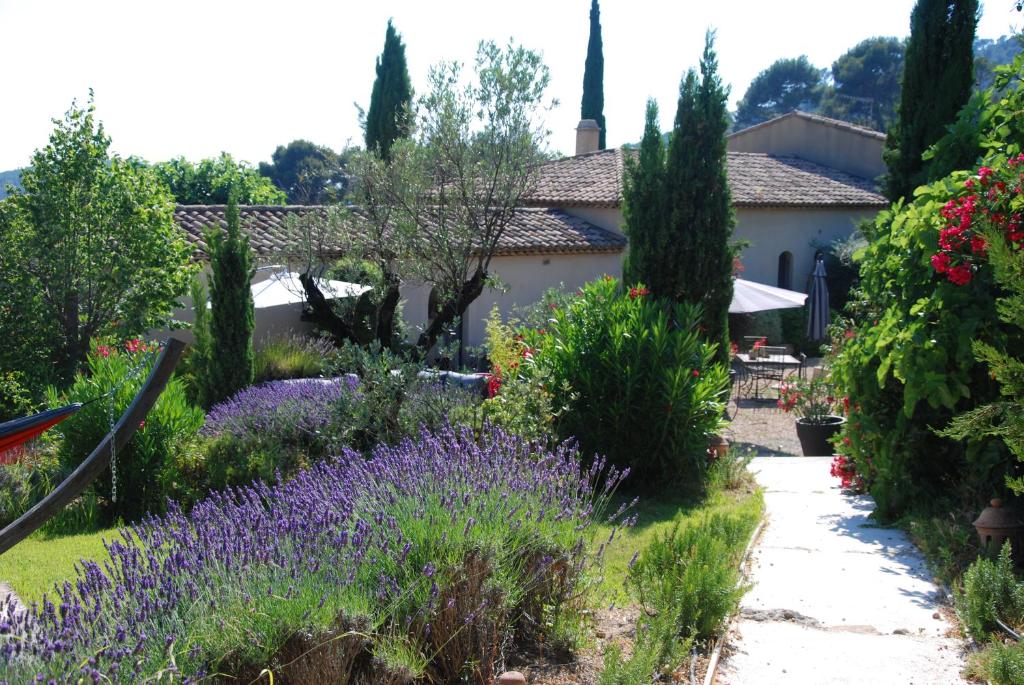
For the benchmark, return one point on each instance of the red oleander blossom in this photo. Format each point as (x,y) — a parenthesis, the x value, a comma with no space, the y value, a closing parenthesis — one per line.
(636,292)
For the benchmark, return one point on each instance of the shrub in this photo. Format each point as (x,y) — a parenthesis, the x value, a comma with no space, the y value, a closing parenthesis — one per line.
(291,357)
(134,484)
(28,480)
(281,426)
(15,399)
(424,561)
(990,592)
(925,297)
(632,378)
(687,582)
(999,664)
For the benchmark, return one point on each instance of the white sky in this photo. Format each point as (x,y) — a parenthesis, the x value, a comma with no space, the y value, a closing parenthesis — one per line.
(194,77)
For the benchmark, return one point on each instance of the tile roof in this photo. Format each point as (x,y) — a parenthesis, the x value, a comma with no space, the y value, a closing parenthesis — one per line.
(761,180)
(755,179)
(532,230)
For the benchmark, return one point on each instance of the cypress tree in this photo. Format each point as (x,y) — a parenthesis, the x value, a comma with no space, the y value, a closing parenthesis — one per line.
(938,75)
(391,97)
(232,316)
(592,106)
(698,202)
(642,209)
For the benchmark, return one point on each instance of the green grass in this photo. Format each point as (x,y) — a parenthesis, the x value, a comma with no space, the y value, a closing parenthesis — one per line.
(657,515)
(33,565)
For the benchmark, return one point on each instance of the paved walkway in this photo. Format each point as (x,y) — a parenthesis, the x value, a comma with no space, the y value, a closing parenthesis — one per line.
(835,599)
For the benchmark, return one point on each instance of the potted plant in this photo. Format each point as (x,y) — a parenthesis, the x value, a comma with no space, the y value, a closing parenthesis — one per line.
(814,405)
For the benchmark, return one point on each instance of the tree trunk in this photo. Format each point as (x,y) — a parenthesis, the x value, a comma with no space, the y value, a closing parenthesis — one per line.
(452,308)
(386,313)
(323,313)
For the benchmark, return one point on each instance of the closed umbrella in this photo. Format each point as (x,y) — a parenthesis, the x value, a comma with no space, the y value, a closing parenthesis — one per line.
(817,304)
(748,297)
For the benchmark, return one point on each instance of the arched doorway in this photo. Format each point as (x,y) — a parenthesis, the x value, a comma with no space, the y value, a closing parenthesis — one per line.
(785,278)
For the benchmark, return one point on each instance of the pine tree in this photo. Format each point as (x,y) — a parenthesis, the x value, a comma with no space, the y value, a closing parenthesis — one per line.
(938,74)
(642,209)
(698,203)
(232,316)
(391,97)
(592,106)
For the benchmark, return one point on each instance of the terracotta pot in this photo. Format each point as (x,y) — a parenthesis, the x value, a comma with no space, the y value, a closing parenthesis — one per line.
(814,437)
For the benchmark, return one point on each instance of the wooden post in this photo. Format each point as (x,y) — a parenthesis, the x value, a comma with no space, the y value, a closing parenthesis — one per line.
(98,460)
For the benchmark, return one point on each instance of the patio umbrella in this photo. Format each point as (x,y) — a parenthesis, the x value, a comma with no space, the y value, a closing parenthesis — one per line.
(284,288)
(817,304)
(748,296)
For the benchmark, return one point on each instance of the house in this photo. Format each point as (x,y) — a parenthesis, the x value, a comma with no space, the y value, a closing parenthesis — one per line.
(799,182)
(541,248)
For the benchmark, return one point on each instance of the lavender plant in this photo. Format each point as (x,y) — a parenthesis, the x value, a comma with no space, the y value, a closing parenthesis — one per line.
(424,561)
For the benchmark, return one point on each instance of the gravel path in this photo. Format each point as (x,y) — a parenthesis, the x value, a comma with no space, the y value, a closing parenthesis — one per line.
(835,600)
(759,425)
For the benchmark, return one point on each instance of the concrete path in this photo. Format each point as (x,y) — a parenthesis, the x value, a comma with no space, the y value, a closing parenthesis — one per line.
(835,599)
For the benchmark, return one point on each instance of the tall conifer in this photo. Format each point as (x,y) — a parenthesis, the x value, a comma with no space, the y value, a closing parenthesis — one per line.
(698,203)
(642,210)
(232,316)
(391,97)
(938,75)
(592,106)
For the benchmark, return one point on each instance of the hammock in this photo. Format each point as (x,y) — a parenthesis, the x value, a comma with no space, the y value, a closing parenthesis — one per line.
(15,433)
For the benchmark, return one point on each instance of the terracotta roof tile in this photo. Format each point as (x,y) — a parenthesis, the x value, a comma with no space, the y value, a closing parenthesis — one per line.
(755,179)
(531,231)
(758,179)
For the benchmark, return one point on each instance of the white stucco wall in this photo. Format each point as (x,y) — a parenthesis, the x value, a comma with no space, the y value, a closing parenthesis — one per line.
(270,323)
(815,141)
(772,231)
(526,278)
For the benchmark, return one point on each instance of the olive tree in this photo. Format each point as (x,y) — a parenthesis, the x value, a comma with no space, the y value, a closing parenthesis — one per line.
(436,211)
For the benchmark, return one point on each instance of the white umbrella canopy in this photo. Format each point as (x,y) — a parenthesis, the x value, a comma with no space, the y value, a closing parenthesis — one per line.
(748,296)
(284,288)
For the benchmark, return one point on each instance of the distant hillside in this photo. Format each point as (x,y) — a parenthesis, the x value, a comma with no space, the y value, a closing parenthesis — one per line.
(12,177)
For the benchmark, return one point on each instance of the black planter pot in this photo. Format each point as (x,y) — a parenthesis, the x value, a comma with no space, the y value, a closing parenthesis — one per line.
(814,437)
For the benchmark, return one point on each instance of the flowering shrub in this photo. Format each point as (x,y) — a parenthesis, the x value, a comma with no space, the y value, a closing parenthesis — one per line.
(631,378)
(991,204)
(845,470)
(142,475)
(812,400)
(279,426)
(422,562)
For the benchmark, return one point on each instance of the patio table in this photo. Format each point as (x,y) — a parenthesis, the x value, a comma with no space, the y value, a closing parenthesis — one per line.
(769,368)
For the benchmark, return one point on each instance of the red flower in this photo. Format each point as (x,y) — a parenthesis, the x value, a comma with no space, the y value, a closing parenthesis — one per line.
(103,351)
(960,274)
(635,292)
(133,345)
(940,262)
(984,174)
(695,373)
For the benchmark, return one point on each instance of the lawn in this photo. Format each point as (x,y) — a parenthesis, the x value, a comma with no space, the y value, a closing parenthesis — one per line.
(657,515)
(36,563)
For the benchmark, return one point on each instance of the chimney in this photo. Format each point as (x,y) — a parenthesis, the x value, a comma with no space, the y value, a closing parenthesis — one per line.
(588,136)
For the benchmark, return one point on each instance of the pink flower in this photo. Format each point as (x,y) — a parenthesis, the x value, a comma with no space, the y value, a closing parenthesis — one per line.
(103,351)
(960,274)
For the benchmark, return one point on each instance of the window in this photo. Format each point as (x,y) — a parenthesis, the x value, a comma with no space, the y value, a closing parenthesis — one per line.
(786,270)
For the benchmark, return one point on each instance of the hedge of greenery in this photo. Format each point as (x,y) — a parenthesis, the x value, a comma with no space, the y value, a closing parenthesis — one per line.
(907,360)
(630,377)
